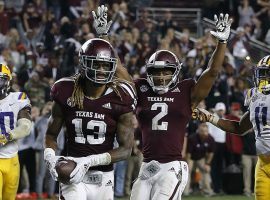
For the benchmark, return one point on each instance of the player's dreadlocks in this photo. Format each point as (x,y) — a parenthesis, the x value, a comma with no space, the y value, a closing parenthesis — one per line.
(77,97)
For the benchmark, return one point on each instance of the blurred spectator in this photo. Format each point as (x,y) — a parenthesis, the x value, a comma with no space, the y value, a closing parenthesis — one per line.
(53,37)
(41,55)
(200,150)
(53,70)
(218,93)
(55,7)
(200,57)
(27,157)
(144,48)
(239,47)
(245,70)
(234,144)
(167,22)
(127,46)
(185,44)
(264,16)
(36,90)
(153,33)
(238,92)
(220,141)
(245,12)
(142,21)
(30,37)
(32,16)
(42,173)
(4,19)
(249,160)
(17,5)
(208,39)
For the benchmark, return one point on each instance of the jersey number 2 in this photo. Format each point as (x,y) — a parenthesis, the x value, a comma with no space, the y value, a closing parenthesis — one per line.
(97,138)
(156,125)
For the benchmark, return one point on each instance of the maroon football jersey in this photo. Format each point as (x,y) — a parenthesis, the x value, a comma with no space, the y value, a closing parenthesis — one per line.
(163,120)
(93,129)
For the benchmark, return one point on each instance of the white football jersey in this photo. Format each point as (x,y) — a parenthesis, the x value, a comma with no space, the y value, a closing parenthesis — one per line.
(9,109)
(259,108)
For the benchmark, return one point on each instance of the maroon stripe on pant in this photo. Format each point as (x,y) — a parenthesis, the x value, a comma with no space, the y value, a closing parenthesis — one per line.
(175,190)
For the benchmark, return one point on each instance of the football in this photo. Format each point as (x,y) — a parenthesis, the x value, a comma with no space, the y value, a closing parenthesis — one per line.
(64,168)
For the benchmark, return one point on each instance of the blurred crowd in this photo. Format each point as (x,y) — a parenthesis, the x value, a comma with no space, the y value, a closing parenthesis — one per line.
(40,40)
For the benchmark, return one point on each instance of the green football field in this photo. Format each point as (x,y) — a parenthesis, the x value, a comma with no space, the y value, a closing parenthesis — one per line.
(225,197)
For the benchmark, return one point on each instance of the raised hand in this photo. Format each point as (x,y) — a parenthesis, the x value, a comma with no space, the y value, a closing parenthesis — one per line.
(101,24)
(223,27)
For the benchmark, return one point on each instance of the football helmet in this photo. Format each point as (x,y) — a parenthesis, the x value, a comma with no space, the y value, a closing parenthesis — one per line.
(262,75)
(5,78)
(97,61)
(163,59)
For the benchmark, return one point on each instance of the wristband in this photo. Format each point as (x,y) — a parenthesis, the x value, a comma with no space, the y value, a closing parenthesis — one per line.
(102,34)
(214,119)
(100,159)
(222,41)
(48,152)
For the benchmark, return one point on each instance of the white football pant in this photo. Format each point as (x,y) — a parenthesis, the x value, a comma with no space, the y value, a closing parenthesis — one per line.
(167,184)
(83,191)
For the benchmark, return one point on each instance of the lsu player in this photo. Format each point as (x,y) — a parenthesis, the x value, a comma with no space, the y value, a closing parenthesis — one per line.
(258,118)
(15,123)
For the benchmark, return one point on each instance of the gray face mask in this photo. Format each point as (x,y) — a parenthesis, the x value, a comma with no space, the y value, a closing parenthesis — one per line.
(4,86)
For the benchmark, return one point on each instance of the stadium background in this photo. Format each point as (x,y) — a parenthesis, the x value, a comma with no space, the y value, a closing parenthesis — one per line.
(40,39)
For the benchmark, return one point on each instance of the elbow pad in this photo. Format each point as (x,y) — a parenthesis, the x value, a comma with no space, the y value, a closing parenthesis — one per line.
(23,129)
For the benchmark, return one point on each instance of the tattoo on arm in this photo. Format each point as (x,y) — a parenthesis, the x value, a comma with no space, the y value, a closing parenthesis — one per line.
(125,137)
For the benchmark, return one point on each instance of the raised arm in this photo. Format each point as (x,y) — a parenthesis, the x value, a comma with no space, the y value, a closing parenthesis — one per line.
(102,27)
(230,126)
(202,88)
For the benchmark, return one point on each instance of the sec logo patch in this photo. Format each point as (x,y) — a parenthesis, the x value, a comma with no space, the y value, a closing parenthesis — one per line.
(144,88)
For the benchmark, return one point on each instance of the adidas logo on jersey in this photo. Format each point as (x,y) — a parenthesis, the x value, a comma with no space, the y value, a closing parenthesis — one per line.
(107,105)
(109,183)
(176,90)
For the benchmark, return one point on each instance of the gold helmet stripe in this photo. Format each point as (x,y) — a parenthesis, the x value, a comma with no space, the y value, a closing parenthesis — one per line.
(4,70)
(264,61)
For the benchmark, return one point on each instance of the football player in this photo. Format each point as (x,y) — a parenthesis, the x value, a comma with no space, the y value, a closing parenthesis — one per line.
(258,118)
(15,123)
(164,108)
(95,108)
